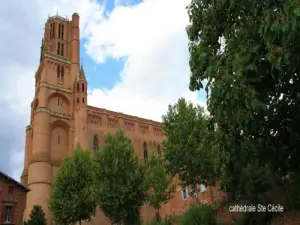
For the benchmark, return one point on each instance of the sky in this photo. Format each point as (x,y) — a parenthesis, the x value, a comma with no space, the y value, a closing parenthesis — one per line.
(134,52)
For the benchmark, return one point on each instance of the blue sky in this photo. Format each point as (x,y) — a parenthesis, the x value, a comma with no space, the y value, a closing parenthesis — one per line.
(135,55)
(104,75)
(111,69)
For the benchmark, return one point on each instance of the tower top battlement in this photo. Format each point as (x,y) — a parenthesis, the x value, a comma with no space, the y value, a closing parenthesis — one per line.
(58,17)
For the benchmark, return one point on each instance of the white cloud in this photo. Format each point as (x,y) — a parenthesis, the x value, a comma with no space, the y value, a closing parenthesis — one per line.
(152,37)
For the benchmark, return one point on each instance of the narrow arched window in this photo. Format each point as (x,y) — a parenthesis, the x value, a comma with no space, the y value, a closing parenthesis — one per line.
(82,100)
(58,71)
(77,87)
(77,100)
(145,152)
(62,50)
(58,138)
(82,87)
(158,150)
(58,48)
(59,30)
(62,31)
(51,31)
(95,143)
(62,71)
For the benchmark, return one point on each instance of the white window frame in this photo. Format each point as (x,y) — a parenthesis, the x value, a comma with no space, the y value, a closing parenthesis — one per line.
(201,190)
(8,214)
(182,193)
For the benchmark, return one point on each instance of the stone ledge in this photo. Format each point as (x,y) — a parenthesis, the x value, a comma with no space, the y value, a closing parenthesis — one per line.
(55,87)
(53,113)
(39,157)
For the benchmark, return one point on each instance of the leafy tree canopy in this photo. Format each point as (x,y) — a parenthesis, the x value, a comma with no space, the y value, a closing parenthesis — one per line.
(248,52)
(190,149)
(73,197)
(37,216)
(158,184)
(119,180)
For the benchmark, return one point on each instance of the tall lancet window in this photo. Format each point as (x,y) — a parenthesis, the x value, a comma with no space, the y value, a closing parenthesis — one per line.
(58,72)
(52,30)
(62,49)
(95,143)
(62,72)
(62,31)
(59,31)
(145,152)
(58,48)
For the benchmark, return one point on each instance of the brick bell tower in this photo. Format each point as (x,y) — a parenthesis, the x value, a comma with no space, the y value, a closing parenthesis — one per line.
(58,110)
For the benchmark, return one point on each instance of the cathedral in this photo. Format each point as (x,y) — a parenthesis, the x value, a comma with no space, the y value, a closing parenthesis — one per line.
(61,118)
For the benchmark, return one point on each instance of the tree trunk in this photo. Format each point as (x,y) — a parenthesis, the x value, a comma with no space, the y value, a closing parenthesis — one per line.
(196,192)
(211,194)
(79,222)
(157,216)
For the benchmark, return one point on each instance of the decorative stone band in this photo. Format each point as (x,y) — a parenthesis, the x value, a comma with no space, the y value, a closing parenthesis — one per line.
(40,157)
(52,86)
(28,127)
(53,113)
(57,58)
(39,182)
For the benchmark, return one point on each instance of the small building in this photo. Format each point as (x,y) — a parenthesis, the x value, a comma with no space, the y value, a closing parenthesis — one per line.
(12,200)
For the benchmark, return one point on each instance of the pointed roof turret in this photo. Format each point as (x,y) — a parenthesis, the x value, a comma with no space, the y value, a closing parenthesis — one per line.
(82,73)
(80,76)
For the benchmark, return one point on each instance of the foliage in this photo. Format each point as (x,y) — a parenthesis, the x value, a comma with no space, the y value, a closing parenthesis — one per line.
(294,192)
(157,183)
(198,214)
(190,149)
(162,222)
(119,180)
(37,216)
(73,197)
(248,53)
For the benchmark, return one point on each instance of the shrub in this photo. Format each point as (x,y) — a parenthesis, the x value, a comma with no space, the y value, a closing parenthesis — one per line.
(37,216)
(162,222)
(198,214)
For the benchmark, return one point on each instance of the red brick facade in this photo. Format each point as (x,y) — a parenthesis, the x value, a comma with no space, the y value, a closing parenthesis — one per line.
(12,200)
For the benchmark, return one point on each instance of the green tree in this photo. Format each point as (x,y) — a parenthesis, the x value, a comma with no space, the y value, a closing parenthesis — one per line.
(73,199)
(190,149)
(119,180)
(37,216)
(157,183)
(248,52)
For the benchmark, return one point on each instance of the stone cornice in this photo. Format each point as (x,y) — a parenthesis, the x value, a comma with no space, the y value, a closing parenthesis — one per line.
(53,113)
(55,87)
(57,58)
